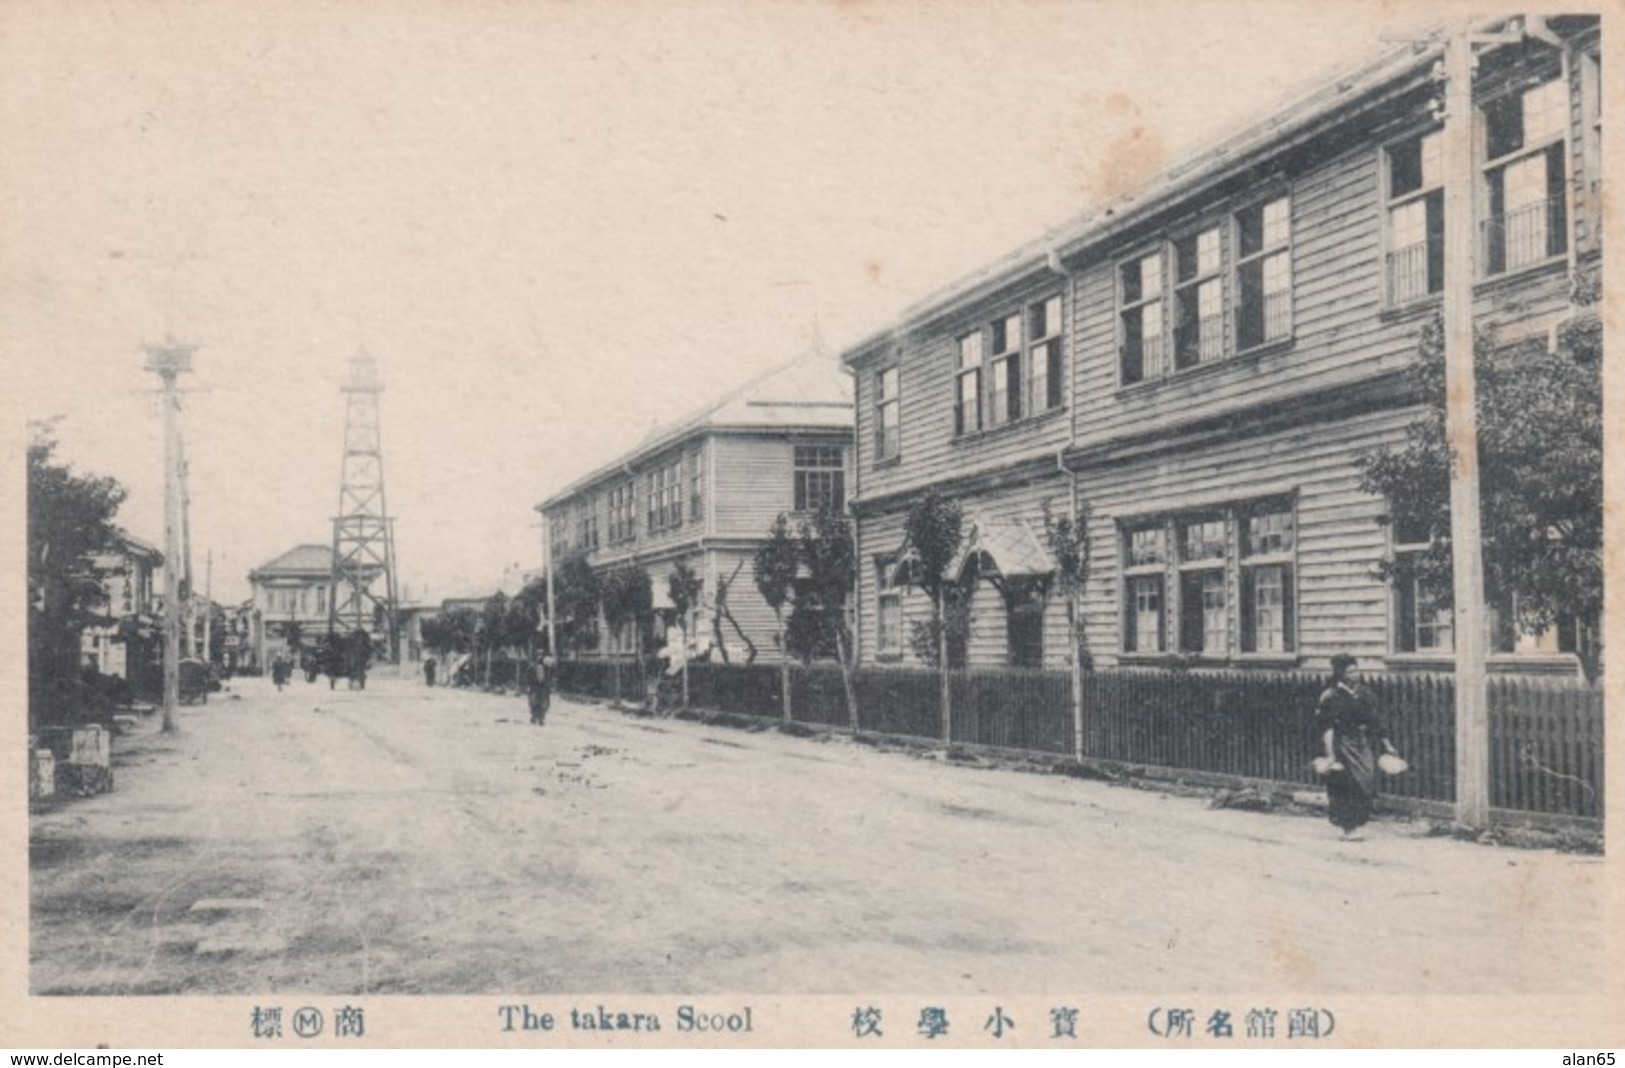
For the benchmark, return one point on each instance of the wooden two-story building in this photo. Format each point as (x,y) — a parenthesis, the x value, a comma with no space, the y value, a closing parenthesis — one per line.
(706,490)
(1201,362)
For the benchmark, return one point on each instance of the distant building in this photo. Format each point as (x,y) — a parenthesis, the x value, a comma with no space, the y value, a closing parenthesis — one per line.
(127,644)
(290,597)
(706,490)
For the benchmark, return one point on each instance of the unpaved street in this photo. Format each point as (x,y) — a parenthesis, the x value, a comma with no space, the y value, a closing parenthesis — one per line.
(407,840)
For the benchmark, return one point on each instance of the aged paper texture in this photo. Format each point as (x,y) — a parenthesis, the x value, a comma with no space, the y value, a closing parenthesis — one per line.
(555,232)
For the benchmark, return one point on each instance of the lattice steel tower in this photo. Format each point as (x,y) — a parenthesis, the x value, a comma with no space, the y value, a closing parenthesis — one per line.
(363,531)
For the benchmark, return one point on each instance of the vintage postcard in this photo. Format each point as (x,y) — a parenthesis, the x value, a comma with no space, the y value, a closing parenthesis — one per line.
(861,524)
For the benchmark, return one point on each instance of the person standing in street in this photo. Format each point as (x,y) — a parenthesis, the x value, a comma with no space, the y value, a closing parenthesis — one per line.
(1352,737)
(538,688)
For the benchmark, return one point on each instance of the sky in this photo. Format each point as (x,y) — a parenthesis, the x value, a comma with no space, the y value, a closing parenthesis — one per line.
(554,225)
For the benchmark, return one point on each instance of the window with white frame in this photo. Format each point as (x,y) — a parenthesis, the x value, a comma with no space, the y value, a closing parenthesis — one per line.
(1212,583)
(888,609)
(1415,185)
(1268,543)
(665,496)
(1525,176)
(1142,318)
(1144,585)
(820,478)
(968,385)
(1263,273)
(1199,298)
(696,483)
(622,513)
(1045,370)
(887,436)
(1004,381)
(1423,620)
(1204,625)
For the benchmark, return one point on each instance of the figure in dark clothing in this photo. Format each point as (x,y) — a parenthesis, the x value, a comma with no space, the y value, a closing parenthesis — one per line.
(281,668)
(538,688)
(428,671)
(1352,736)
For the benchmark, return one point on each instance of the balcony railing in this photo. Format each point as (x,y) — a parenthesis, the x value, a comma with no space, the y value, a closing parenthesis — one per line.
(1526,235)
(1408,273)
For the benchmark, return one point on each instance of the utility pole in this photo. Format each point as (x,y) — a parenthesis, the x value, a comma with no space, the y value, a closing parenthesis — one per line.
(1461,424)
(208,606)
(188,586)
(547,565)
(170,360)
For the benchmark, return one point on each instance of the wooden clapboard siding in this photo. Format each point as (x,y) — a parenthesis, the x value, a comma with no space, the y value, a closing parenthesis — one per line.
(1341,604)
(754,484)
(988,644)
(927,363)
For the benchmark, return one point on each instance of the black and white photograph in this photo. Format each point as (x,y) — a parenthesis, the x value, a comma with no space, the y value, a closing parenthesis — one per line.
(807,523)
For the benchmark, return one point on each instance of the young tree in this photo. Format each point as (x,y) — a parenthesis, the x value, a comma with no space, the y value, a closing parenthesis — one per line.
(776,563)
(629,601)
(492,629)
(934,530)
(577,592)
(1541,491)
(70,518)
(830,557)
(722,614)
(683,586)
(1068,541)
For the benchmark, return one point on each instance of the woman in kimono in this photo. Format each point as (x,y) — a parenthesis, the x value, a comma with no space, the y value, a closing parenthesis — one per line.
(1352,737)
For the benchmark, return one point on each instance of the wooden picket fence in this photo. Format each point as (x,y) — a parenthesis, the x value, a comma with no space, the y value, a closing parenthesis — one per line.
(1546,736)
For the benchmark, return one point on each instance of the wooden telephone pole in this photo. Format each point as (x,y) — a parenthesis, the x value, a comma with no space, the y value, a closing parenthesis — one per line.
(1461,422)
(169,360)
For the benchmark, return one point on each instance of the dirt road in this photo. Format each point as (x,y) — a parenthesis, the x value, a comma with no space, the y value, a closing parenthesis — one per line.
(408,840)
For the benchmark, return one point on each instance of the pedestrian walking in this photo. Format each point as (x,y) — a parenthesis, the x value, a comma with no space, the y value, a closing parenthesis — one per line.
(538,688)
(281,667)
(428,671)
(1354,743)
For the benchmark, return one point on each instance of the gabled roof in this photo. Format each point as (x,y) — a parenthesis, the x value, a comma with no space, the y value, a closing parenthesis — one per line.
(128,544)
(808,392)
(299,560)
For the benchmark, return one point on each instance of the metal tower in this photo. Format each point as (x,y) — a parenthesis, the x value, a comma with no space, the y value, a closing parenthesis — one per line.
(363,532)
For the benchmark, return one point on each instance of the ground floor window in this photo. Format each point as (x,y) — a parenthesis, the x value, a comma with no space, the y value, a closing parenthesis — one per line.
(1212,583)
(888,610)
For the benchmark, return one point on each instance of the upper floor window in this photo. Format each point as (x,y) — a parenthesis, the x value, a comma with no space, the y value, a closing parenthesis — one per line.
(1045,370)
(622,513)
(1020,353)
(1004,385)
(968,385)
(1415,218)
(1142,318)
(1264,273)
(887,438)
(1215,291)
(1524,177)
(665,496)
(1198,299)
(586,525)
(696,484)
(820,478)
